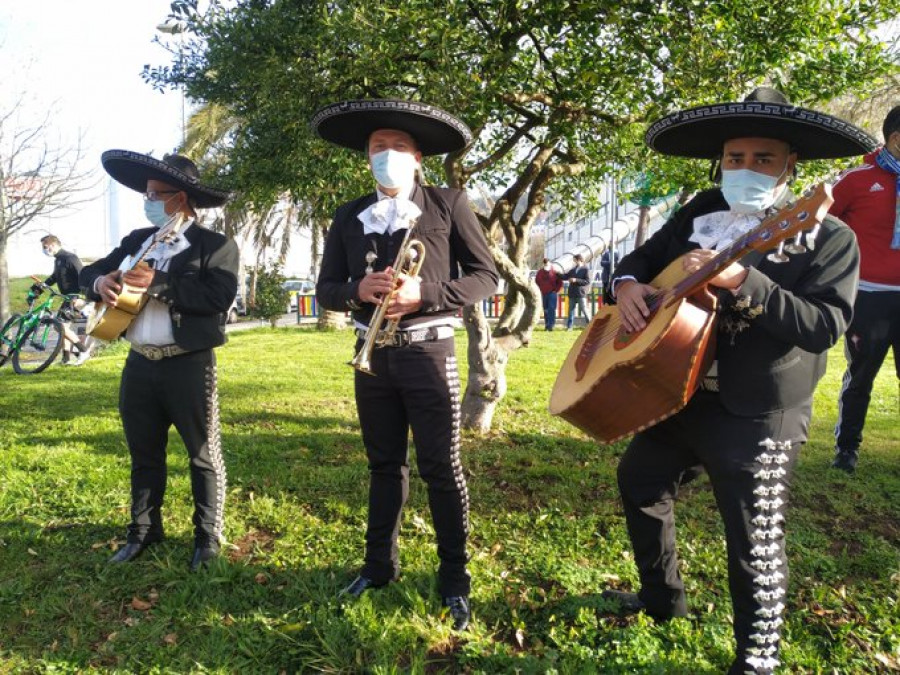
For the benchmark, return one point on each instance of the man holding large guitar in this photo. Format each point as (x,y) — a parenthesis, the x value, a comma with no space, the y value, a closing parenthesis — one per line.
(167,289)
(773,318)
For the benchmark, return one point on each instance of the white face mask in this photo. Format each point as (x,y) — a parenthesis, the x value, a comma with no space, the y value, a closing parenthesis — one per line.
(547,267)
(393,169)
(747,191)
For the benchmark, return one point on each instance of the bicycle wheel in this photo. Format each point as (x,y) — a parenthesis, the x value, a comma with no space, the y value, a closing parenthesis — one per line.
(8,336)
(41,345)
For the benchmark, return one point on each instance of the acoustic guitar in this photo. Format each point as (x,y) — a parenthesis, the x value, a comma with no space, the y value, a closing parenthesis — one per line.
(613,383)
(108,323)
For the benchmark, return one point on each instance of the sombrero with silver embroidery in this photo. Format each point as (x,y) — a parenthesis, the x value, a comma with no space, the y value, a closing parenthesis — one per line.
(133,170)
(350,123)
(766,113)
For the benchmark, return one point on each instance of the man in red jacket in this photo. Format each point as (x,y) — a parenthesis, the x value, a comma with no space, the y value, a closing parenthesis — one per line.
(866,199)
(549,282)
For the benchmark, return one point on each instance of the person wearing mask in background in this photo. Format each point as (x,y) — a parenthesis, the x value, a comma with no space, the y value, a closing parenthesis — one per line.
(866,198)
(579,278)
(66,267)
(413,382)
(777,318)
(170,378)
(549,282)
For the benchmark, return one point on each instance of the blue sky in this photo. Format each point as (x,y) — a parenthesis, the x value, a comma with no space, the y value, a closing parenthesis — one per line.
(81,61)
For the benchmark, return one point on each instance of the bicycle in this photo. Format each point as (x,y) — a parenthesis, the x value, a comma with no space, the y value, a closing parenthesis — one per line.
(34,339)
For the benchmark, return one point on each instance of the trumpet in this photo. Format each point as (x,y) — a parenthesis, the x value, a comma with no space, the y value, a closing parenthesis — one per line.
(381,331)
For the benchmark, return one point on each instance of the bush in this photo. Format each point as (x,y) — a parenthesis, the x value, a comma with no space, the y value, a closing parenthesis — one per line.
(271,298)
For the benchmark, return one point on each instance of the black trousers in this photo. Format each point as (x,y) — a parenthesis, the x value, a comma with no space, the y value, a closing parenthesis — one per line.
(416,388)
(750,463)
(154,395)
(874,330)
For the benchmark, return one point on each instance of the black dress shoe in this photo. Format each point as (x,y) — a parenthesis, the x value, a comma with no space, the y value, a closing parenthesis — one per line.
(459,610)
(359,585)
(629,603)
(845,460)
(130,551)
(202,556)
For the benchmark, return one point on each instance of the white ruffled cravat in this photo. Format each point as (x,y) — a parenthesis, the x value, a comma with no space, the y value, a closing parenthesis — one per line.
(389,215)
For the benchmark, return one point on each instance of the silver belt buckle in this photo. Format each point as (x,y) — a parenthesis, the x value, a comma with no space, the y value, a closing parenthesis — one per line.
(153,352)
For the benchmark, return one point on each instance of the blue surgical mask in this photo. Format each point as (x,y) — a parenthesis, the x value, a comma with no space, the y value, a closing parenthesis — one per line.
(747,191)
(156,213)
(48,252)
(393,169)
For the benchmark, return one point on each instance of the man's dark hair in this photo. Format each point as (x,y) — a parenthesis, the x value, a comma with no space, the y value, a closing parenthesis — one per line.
(578,257)
(48,239)
(891,122)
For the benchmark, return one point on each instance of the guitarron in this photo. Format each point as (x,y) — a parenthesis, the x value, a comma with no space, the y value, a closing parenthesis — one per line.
(108,323)
(613,383)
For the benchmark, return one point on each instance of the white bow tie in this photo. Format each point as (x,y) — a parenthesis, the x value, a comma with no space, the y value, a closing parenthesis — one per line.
(389,215)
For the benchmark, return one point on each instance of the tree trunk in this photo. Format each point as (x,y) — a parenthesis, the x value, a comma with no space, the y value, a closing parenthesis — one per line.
(329,320)
(643,227)
(4,280)
(487,372)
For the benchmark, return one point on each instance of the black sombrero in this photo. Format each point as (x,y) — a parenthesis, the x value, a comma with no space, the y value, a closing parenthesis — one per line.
(766,113)
(133,170)
(350,123)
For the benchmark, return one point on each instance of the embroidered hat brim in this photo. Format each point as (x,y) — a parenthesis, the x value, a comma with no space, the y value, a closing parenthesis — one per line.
(133,170)
(702,131)
(350,123)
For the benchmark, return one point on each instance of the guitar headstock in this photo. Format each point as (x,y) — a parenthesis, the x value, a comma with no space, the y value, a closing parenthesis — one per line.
(804,215)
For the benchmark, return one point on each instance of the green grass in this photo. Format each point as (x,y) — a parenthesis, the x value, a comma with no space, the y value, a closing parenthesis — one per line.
(547,537)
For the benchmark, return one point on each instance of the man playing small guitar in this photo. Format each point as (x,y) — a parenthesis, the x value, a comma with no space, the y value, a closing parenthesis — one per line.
(776,316)
(181,280)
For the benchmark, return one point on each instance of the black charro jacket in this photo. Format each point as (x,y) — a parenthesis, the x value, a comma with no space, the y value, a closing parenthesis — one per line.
(458,268)
(198,287)
(774,334)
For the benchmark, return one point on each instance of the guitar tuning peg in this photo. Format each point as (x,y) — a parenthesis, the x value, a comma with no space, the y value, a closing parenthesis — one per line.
(795,246)
(778,256)
(811,237)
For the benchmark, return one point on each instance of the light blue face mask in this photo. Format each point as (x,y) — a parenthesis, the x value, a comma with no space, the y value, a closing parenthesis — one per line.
(394,169)
(747,191)
(156,213)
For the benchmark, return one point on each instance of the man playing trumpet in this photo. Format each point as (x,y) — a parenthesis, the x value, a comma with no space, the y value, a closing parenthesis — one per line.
(415,384)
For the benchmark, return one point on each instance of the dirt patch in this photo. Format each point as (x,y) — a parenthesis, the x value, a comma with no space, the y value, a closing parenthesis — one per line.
(254,544)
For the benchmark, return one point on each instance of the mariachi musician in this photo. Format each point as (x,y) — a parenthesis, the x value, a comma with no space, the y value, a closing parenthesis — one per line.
(777,319)
(415,384)
(189,281)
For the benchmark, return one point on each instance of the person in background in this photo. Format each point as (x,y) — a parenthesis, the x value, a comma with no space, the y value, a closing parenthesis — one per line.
(777,318)
(866,198)
(413,383)
(170,375)
(579,278)
(66,267)
(608,262)
(549,282)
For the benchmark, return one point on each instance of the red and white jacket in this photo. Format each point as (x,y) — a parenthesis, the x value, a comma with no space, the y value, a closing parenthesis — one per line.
(865,198)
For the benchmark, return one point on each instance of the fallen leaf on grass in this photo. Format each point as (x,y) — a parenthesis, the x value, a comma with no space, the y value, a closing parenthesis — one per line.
(261,579)
(170,639)
(31,551)
(520,638)
(140,605)
(228,619)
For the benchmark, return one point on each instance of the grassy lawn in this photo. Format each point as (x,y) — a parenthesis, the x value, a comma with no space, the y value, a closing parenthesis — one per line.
(548,536)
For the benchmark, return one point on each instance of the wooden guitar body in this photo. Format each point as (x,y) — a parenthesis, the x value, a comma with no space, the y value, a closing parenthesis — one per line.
(108,323)
(613,384)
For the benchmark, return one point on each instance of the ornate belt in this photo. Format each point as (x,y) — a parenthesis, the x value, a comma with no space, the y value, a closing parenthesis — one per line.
(413,335)
(157,352)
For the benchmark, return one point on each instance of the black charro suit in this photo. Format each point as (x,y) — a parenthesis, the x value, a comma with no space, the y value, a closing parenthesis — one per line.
(416,387)
(198,288)
(774,333)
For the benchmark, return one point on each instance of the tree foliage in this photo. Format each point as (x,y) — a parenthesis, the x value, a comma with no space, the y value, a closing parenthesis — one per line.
(557,92)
